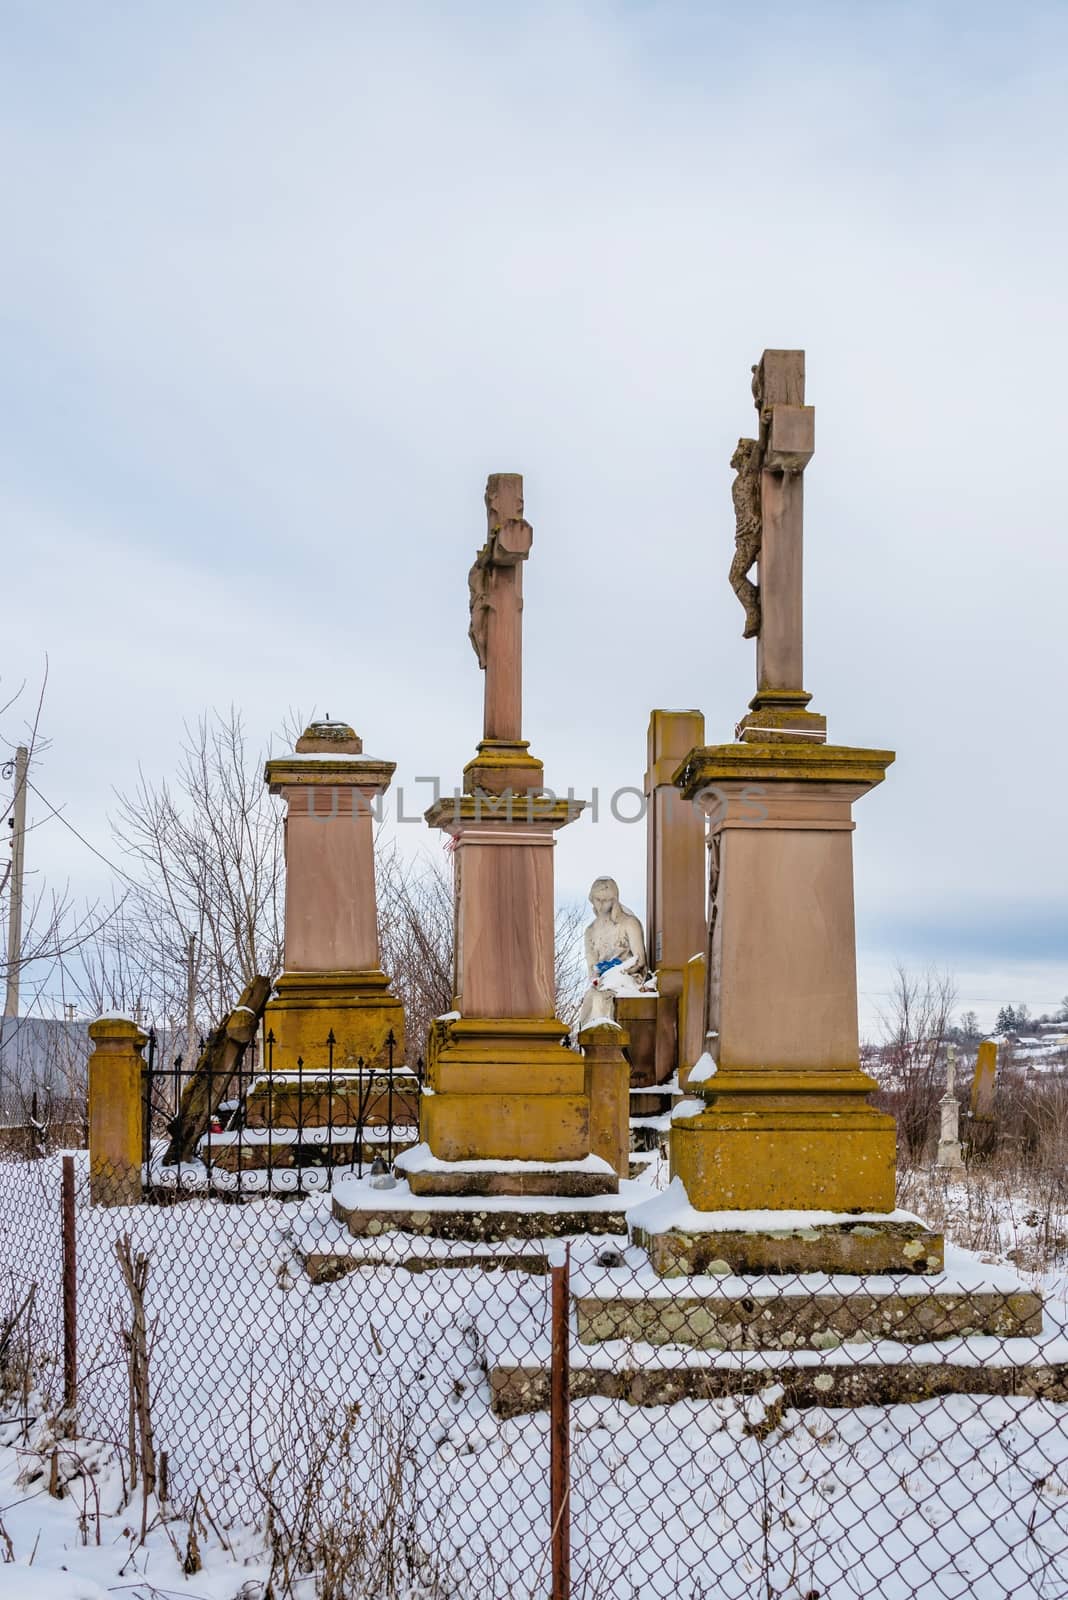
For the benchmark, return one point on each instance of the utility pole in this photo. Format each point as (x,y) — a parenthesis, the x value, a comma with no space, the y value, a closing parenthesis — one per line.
(17,822)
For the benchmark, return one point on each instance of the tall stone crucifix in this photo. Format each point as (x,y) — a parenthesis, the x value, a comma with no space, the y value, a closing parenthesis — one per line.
(495,584)
(786,1123)
(768,495)
(499,1088)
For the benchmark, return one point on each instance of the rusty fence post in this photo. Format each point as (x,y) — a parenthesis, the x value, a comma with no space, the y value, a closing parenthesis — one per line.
(70,1289)
(560,1423)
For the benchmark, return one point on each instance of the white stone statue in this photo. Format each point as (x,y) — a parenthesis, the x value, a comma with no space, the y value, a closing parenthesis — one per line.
(615,955)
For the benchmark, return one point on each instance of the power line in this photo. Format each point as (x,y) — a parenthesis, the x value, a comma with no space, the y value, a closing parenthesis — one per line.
(141,888)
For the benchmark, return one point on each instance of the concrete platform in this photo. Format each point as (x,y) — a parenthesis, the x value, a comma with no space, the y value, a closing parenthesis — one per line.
(628,1300)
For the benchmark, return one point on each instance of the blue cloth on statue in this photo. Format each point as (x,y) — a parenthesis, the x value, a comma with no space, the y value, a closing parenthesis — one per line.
(606,966)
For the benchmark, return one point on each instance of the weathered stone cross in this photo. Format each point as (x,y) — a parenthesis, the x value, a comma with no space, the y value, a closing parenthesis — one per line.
(496,586)
(769,506)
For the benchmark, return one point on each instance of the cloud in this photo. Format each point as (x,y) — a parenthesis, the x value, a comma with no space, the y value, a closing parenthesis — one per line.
(285,285)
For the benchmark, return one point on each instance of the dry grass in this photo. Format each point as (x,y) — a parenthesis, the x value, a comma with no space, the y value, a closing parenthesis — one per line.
(1012,1199)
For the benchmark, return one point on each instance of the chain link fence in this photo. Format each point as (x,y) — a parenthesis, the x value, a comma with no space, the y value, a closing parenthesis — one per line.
(402,1414)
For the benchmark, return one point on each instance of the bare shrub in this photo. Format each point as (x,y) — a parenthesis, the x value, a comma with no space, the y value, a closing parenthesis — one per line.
(909,1067)
(1013,1200)
(20,1357)
(137,1342)
(341,1502)
(415,923)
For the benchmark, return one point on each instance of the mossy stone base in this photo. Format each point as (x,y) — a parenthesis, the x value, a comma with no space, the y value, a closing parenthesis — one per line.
(312,1099)
(325,1268)
(749,1151)
(356,1007)
(857,1247)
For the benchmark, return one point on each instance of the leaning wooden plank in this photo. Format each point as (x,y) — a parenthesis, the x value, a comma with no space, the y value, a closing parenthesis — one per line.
(219,1060)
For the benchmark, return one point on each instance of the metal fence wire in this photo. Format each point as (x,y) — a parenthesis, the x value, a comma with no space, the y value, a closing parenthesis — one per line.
(532,1419)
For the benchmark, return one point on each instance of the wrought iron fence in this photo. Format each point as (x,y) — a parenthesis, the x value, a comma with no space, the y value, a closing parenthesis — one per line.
(276,1125)
(417,1413)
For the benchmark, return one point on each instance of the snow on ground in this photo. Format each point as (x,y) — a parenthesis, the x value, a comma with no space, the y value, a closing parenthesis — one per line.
(87,1546)
(372,1391)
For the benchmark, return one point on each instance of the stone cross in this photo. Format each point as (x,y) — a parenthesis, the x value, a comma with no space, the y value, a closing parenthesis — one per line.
(496,598)
(951,1068)
(769,508)
(949,1151)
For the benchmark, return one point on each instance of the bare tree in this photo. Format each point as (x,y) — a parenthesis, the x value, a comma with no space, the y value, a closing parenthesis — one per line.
(51,925)
(415,929)
(915,1027)
(205,856)
(415,917)
(570,968)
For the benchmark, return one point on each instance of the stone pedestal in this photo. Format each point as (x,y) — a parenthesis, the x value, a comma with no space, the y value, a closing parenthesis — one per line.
(333,979)
(785,1123)
(607,1087)
(116,1120)
(501,1087)
(640,1016)
(506,1108)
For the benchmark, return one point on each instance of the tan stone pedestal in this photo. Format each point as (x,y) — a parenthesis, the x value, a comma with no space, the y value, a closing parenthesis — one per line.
(786,1123)
(333,979)
(608,1091)
(501,1087)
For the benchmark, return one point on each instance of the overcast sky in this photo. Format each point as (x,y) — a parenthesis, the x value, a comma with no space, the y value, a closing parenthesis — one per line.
(283,283)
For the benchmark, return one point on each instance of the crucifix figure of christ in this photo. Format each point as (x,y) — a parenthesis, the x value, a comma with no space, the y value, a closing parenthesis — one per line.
(769,511)
(496,598)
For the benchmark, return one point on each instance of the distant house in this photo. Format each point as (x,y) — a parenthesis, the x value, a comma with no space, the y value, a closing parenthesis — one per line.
(43,1056)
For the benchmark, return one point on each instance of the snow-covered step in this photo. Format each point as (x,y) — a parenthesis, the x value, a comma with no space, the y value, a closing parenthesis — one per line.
(809,1378)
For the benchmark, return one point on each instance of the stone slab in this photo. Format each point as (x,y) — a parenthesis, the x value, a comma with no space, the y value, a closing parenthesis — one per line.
(770,1317)
(567,1185)
(370,1213)
(516,1390)
(486,1225)
(327,1267)
(861,1246)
